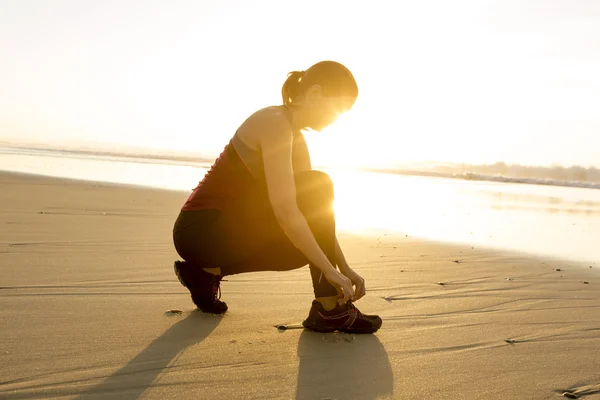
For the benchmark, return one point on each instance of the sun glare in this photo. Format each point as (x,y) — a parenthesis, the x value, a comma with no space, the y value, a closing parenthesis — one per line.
(343,144)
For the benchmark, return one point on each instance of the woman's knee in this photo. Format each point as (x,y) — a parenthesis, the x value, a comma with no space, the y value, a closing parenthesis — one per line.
(314,180)
(314,190)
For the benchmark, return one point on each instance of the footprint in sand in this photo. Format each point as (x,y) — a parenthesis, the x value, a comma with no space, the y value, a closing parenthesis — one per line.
(581,391)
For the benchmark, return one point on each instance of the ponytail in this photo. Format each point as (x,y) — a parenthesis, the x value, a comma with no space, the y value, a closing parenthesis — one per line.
(333,78)
(289,90)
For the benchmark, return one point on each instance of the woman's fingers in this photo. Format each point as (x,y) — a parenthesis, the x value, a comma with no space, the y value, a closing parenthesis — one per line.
(347,289)
(343,285)
(351,293)
(358,292)
(341,295)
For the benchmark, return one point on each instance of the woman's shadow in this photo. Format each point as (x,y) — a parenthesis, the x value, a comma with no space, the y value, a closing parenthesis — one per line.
(342,366)
(137,376)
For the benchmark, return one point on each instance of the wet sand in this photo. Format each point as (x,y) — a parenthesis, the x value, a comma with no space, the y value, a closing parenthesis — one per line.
(86,279)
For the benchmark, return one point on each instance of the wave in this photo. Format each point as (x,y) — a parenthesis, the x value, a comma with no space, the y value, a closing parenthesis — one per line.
(556,175)
(472,176)
(109,156)
(531,181)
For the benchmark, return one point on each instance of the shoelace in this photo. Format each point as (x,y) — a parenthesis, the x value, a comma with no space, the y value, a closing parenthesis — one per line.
(351,306)
(216,286)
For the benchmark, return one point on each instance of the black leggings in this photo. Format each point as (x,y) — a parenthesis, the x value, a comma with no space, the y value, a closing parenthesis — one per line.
(246,237)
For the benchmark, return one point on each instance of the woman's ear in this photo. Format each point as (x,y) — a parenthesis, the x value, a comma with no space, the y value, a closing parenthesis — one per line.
(314,93)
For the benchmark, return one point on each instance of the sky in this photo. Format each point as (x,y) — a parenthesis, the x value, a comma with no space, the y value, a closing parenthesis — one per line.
(474,81)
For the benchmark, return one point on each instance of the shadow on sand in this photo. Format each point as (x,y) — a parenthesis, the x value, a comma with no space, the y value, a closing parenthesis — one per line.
(131,381)
(341,366)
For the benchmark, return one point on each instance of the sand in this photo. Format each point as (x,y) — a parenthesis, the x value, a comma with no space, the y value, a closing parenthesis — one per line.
(86,279)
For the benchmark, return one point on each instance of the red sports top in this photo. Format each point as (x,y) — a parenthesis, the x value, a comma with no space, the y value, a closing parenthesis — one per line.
(227,179)
(230,179)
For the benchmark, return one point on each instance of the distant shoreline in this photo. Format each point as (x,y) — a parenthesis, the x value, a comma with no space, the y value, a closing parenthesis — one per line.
(488,178)
(450,172)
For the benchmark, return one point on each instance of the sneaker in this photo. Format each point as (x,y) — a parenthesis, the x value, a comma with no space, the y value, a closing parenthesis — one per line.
(204,287)
(345,318)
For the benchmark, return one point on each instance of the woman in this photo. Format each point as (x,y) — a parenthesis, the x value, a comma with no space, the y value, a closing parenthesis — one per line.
(261,207)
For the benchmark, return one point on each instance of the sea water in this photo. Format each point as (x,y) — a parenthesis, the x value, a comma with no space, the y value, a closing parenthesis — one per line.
(543,220)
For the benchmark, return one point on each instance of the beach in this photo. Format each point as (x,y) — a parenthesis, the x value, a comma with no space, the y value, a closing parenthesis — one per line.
(87,283)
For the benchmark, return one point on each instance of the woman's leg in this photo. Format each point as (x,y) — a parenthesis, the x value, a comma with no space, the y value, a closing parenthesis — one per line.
(315,196)
(273,251)
(247,237)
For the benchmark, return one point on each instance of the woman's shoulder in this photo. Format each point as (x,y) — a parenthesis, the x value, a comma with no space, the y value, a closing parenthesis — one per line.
(266,122)
(271,116)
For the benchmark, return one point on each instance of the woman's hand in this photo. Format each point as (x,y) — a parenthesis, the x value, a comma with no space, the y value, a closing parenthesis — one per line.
(357,281)
(342,284)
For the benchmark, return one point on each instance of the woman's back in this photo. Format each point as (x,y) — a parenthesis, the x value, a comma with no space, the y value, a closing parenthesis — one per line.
(239,170)
(246,139)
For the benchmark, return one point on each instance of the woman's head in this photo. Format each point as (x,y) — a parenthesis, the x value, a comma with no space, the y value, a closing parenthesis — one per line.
(320,94)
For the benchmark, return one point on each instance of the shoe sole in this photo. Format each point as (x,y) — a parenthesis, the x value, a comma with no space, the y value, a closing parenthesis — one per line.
(329,329)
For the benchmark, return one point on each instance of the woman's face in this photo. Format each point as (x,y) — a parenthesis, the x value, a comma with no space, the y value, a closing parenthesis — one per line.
(324,110)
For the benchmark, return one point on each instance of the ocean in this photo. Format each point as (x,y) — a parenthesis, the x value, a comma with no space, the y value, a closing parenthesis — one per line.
(541,220)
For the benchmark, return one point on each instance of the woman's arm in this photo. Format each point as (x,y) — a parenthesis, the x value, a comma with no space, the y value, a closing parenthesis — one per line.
(276,146)
(300,154)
